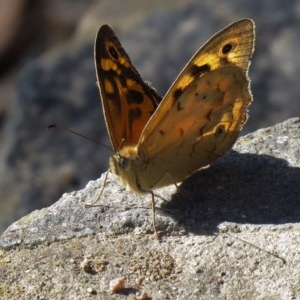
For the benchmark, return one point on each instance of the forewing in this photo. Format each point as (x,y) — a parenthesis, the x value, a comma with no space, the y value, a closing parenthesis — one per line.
(201,115)
(127,101)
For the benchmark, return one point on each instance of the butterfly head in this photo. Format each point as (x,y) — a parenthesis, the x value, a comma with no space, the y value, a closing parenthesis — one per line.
(123,164)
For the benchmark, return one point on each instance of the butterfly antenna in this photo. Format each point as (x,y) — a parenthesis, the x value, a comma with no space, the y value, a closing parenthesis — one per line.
(62,127)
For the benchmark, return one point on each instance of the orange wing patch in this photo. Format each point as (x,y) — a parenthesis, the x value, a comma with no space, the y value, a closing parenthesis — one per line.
(128,102)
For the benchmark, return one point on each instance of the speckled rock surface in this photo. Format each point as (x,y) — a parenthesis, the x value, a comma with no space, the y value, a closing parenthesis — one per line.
(37,166)
(232,232)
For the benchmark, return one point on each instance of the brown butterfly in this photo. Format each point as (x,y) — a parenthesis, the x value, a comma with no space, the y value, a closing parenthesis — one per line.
(158,142)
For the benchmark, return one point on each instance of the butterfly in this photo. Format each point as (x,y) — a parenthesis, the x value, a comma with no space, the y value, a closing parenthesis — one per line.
(161,141)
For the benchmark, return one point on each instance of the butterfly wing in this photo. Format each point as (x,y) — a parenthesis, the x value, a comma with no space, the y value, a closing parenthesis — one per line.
(204,110)
(127,101)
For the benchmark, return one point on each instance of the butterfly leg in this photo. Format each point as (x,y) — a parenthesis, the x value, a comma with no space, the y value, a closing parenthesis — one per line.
(180,191)
(99,194)
(154,216)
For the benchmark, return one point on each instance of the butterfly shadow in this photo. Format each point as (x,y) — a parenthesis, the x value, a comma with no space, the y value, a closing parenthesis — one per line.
(241,188)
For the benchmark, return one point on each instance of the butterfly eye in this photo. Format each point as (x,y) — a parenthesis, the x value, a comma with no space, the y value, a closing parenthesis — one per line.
(123,163)
(227,48)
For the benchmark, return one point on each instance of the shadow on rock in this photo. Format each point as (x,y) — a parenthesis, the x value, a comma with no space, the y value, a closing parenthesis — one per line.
(241,188)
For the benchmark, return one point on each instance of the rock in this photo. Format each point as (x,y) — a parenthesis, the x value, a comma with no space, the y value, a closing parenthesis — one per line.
(59,86)
(12,15)
(230,227)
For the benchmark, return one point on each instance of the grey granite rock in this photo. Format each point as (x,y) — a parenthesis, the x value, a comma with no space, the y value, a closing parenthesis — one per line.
(232,232)
(37,166)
